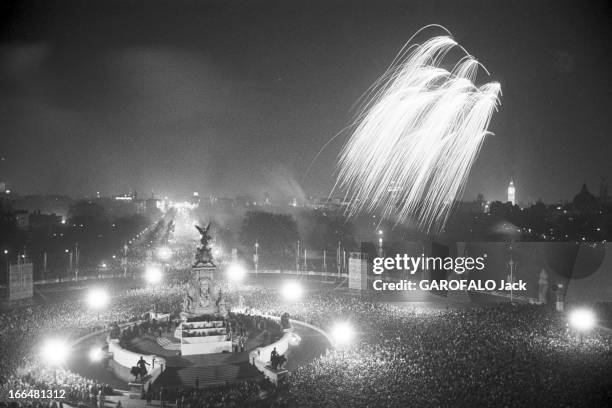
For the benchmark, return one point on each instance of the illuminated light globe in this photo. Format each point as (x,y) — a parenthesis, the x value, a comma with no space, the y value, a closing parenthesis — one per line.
(54,352)
(153,275)
(582,319)
(294,339)
(236,272)
(164,253)
(292,291)
(95,354)
(342,333)
(97,299)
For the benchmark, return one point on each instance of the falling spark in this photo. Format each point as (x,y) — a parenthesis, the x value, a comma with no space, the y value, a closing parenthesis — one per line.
(417,137)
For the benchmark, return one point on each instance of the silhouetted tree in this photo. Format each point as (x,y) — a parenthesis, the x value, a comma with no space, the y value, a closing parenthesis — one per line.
(277,233)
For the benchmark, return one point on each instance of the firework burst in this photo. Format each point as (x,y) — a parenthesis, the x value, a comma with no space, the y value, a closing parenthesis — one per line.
(417,136)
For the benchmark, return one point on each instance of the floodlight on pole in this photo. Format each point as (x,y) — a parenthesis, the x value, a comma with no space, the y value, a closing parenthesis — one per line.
(236,272)
(294,339)
(55,352)
(292,291)
(582,319)
(95,354)
(164,253)
(97,298)
(342,333)
(153,275)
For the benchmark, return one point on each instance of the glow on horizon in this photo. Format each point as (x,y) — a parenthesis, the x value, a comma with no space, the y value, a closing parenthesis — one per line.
(417,136)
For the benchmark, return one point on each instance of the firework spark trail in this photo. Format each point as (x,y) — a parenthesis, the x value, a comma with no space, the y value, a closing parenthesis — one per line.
(416,138)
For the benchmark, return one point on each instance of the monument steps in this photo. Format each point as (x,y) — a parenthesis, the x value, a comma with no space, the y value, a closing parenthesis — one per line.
(167,344)
(186,376)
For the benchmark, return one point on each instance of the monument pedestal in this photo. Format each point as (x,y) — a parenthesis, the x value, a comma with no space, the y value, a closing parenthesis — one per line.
(203,329)
(203,272)
(205,335)
(275,375)
(135,390)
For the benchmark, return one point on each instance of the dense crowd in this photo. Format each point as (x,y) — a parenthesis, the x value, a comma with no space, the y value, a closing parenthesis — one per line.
(23,329)
(255,394)
(505,355)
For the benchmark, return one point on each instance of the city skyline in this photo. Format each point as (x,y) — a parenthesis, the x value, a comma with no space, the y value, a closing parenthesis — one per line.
(217,100)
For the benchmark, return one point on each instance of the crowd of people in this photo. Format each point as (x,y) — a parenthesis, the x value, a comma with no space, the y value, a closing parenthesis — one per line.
(255,394)
(25,328)
(506,355)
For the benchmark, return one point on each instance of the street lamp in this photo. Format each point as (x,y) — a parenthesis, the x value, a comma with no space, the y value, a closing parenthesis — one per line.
(164,253)
(95,354)
(292,291)
(256,256)
(153,275)
(54,352)
(69,266)
(97,299)
(342,333)
(583,320)
(236,272)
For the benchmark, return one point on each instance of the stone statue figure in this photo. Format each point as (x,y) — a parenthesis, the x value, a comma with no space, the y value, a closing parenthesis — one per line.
(221,303)
(187,302)
(200,297)
(203,254)
(204,292)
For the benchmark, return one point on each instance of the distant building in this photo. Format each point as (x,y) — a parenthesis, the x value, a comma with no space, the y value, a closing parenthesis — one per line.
(584,201)
(40,220)
(243,201)
(511,193)
(151,205)
(480,202)
(22,220)
(46,204)
(194,199)
(164,204)
(325,203)
(141,206)
(124,197)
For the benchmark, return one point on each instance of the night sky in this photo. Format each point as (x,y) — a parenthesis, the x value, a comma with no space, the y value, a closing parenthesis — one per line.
(237,97)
